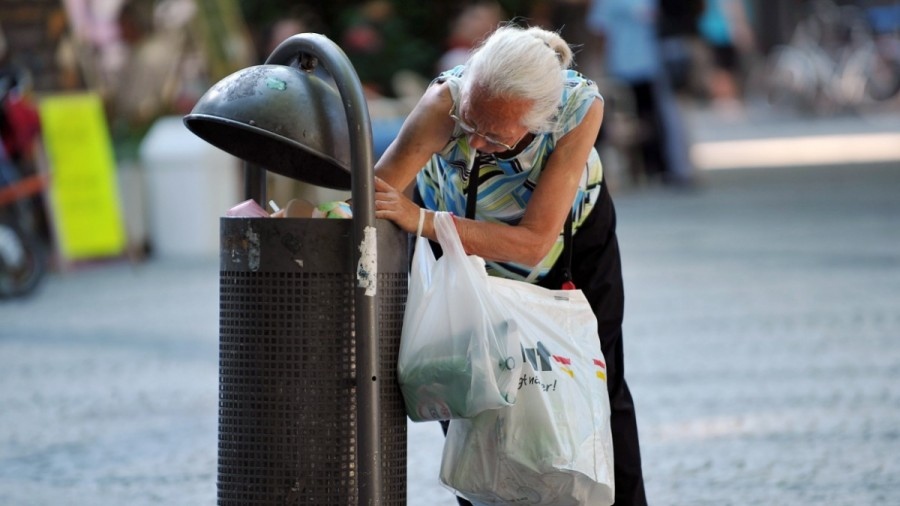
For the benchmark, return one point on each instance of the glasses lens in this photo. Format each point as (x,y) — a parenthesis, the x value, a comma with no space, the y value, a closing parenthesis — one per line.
(470,130)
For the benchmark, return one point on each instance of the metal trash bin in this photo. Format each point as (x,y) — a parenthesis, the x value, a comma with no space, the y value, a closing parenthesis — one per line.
(287,387)
(311,310)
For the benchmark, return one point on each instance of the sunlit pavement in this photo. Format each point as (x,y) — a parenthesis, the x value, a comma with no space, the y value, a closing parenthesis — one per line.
(762,138)
(762,347)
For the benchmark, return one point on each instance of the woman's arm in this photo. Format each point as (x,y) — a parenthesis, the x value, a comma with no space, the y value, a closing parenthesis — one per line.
(426,130)
(529,241)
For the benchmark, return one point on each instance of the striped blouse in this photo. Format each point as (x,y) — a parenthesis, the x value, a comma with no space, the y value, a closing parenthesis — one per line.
(506,184)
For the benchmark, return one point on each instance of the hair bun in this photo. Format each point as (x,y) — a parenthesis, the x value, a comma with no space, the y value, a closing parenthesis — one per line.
(554,42)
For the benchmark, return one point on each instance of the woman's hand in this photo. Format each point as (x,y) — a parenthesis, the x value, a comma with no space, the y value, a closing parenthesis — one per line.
(393,205)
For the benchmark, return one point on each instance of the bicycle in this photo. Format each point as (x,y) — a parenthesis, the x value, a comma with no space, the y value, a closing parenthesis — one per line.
(838,60)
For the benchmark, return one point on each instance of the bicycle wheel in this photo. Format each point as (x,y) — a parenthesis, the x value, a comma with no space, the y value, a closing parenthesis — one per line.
(883,81)
(792,80)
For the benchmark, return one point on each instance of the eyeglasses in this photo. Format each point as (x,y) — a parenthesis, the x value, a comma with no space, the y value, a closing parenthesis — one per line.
(470,130)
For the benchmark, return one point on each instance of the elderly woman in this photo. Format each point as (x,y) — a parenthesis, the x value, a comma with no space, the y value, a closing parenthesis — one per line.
(506,143)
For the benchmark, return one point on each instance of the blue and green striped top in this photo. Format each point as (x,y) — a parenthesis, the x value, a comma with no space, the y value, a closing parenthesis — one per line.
(506,185)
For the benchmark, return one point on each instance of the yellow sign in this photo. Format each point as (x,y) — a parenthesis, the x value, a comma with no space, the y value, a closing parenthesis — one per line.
(84,195)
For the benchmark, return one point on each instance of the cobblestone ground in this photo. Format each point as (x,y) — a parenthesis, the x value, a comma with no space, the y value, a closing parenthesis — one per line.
(762,338)
(763,325)
(109,388)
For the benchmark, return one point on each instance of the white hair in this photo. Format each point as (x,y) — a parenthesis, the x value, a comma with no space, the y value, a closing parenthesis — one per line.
(522,63)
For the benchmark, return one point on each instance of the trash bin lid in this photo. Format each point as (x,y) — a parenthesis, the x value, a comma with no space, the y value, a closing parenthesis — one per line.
(281,118)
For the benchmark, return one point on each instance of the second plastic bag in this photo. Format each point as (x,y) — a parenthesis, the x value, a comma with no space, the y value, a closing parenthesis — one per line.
(459,354)
(554,446)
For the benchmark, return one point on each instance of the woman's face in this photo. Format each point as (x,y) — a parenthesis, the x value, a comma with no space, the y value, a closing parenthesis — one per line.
(493,125)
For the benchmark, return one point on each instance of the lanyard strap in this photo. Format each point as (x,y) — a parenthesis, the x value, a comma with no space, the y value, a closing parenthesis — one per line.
(568,283)
(472,189)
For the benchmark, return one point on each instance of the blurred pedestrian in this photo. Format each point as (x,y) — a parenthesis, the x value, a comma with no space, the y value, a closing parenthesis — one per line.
(468,29)
(630,39)
(299,19)
(725,27)
(679,37)
(566,17)
(506,143)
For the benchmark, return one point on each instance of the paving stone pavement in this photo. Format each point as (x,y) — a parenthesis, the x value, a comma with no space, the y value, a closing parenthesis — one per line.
(763,323)
(762,346)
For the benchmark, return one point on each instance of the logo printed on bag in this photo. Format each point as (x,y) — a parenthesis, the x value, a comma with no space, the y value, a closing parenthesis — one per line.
(542,360)
(535,355)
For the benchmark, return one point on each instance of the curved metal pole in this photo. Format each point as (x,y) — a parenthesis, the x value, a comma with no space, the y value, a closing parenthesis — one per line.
(362,191)
(255,183)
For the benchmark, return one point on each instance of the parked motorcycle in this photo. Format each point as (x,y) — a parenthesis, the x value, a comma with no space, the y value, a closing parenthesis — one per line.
(23,247)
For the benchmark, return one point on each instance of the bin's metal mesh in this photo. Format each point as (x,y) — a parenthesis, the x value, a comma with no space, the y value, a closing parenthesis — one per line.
(391,306)
(287,396)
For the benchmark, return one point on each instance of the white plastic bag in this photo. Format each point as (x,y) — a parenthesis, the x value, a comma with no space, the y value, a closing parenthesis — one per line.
(459,354)
(554,446)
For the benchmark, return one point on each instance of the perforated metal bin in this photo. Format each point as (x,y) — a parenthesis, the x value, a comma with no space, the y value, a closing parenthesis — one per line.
(287,389)
(311,309)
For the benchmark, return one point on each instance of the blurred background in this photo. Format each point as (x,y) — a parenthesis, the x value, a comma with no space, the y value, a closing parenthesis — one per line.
(752,148)
(136,64)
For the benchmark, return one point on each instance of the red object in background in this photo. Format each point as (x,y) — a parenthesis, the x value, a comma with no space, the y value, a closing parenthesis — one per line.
(21,125)
(568,285)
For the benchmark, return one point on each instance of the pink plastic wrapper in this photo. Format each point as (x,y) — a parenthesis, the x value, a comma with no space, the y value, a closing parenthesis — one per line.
(247,209)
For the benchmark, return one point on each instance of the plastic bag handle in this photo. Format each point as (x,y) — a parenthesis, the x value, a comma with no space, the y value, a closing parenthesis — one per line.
(447,235)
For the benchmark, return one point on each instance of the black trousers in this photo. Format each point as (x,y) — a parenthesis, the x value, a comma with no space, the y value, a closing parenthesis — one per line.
(653,135)
(597,271)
